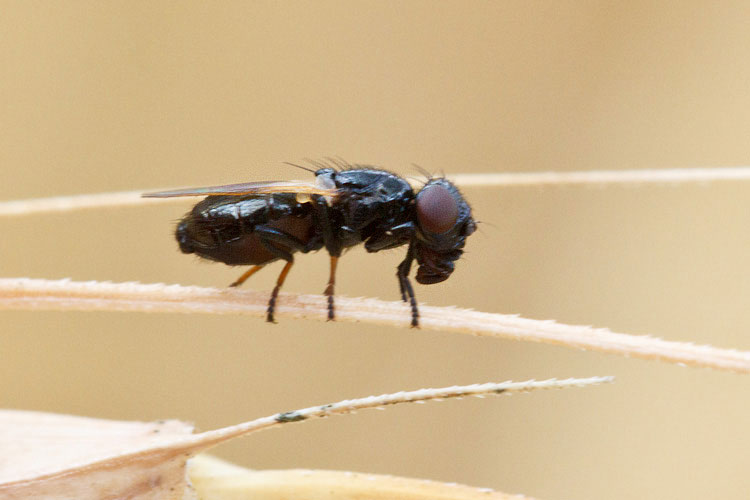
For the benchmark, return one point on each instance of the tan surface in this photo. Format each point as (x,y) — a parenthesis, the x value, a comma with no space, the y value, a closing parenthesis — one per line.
(106,97)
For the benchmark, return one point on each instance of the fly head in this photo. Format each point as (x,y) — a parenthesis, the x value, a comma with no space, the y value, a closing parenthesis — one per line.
(443,223)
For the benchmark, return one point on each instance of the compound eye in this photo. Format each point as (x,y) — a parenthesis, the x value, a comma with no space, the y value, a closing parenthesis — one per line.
(437,210)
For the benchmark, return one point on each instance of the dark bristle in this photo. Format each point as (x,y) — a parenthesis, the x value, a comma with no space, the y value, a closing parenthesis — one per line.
(423,171)
(316,164)
(338,162)
(299,166)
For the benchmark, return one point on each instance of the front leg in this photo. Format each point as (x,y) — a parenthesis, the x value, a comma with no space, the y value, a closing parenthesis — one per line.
(390,238)
(402,273)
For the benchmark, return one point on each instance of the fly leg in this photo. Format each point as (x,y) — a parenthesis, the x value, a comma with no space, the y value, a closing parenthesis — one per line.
(267,236)
(329,288)
(275,292)
(281,245)
(247,274)
(289,258)
(322,217)
(279,237)
(402,272)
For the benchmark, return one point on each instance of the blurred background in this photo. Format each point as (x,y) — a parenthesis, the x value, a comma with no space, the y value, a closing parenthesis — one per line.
(107,96)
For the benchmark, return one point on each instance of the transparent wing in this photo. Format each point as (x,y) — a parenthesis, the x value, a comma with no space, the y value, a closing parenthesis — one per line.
(248,188)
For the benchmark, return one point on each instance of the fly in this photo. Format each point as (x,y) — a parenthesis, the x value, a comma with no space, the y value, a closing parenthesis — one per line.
(257,223)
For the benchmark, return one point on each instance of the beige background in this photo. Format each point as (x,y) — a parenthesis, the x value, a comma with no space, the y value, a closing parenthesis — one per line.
(103,96)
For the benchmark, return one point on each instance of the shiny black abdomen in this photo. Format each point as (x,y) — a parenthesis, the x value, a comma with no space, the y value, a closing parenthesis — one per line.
(223,228)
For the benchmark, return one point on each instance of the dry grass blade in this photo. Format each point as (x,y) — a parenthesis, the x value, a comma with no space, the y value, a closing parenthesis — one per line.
(602,177)
(44,454)
(352,405)
(31,294)
(658,176)
(77,202)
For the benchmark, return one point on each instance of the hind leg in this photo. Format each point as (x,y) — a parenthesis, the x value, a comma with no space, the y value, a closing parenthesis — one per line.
(289,258)
(245,276)
(281,245)
(275,293)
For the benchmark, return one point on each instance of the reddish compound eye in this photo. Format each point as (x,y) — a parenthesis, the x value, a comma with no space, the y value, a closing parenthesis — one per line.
(437,209)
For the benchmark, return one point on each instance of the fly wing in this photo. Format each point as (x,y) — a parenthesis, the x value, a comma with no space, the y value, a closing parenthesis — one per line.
(248,188)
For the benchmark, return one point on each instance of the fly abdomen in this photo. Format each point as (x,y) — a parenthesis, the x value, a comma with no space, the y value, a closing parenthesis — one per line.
(245,231)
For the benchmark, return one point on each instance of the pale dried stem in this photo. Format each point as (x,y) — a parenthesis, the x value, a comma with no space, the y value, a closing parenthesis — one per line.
(78,202)
(602,177)
(421,395)
(32,294)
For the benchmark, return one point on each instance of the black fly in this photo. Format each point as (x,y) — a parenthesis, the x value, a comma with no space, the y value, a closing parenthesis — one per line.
(259,222)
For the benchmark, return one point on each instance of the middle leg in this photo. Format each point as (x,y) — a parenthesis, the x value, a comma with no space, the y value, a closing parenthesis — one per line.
(322,217)
(329,288)
(275,292)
